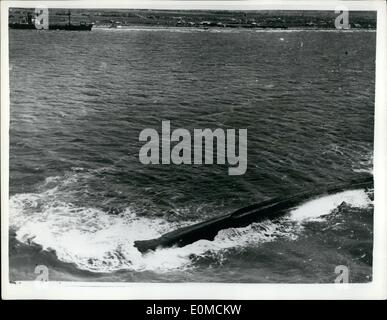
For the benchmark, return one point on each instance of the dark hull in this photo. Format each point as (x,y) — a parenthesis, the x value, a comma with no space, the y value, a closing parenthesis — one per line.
(21,26)
(85,27)
(82,27)
(270,209)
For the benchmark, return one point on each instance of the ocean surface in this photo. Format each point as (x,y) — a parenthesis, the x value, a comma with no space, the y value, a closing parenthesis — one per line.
(79,196)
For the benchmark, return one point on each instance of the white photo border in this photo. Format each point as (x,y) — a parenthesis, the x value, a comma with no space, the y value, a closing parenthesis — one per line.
(377,289)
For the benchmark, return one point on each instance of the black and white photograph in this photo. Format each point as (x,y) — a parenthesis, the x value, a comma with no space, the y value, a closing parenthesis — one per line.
(201,145)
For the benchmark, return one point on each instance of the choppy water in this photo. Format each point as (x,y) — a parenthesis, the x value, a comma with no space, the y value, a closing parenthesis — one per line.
(77,189)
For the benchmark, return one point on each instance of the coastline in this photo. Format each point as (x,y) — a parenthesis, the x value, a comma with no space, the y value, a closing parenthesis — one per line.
(251,20)
(226,29)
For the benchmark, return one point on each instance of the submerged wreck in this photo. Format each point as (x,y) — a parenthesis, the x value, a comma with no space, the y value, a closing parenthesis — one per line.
(269,209)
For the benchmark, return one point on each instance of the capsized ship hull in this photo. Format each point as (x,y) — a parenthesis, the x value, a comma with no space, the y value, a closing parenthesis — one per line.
(269,209)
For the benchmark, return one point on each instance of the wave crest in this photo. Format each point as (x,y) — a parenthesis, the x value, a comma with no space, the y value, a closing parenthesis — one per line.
(100,242)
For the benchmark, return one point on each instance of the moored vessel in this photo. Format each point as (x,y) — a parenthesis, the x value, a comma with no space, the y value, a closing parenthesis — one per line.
(31,23)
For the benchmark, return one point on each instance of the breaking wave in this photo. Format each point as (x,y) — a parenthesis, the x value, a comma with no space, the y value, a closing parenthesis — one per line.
(317,208)
(97,241)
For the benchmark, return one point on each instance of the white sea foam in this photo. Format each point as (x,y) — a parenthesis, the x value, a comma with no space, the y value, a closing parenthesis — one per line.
(324,205)
(99,242)
(364,166)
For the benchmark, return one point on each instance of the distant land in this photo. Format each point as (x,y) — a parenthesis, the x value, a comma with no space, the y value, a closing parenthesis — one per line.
(202,19)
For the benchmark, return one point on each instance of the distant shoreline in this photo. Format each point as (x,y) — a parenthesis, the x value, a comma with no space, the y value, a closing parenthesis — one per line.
(158,27)
(191,19)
